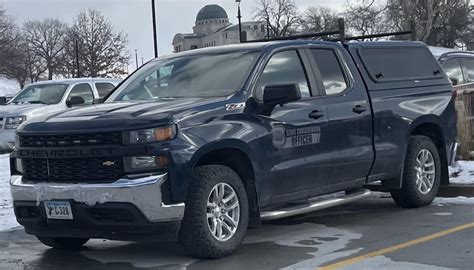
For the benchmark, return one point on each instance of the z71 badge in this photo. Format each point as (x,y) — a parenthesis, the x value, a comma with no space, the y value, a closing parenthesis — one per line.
(295,137)
(235,106)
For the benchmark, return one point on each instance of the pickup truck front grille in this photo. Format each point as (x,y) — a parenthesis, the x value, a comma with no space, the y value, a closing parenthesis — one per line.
(112,138)
(75,170)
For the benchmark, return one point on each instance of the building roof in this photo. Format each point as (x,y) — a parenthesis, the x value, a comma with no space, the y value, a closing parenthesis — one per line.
(210,12)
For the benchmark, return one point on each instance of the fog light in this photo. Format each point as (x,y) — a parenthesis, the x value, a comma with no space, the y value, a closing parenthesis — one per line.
(148,162)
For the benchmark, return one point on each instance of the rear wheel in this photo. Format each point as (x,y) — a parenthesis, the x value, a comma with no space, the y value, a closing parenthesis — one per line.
(216,215)
(422,174)
(63,243)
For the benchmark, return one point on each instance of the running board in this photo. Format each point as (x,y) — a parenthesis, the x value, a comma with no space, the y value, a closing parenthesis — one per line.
(311,206)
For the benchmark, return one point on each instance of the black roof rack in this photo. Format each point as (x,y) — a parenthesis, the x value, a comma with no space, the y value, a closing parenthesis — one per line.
(446,54)
(341,32)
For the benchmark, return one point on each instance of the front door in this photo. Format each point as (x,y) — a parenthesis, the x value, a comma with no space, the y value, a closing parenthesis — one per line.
(298,155)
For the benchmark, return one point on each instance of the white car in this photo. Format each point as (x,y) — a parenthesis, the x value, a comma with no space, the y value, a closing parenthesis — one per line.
(46,97)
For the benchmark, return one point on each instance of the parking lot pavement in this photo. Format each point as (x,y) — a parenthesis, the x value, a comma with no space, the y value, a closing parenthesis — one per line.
(371,234)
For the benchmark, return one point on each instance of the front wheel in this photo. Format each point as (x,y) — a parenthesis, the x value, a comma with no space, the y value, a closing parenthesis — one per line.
(216,214)
(422,174)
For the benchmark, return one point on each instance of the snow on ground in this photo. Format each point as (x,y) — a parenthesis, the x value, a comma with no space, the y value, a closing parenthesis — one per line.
(7,218)
(462,172)
(8,87)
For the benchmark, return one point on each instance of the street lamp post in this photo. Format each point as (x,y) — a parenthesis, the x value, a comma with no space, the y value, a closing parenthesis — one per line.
(155,34)
(136,57)
(239,16)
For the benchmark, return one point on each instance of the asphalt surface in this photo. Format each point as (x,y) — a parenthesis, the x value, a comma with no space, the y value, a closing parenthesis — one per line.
(393,238)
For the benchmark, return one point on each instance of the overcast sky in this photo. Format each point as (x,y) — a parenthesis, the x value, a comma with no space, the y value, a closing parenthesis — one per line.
(134,16)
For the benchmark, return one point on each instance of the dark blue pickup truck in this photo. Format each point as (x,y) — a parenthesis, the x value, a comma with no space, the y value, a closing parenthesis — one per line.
(201,145)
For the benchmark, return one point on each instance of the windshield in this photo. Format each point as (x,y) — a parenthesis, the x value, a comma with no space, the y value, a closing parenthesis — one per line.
(41,94)
(210,75)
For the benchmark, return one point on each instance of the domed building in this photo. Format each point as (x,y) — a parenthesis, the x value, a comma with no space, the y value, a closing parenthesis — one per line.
(212,28)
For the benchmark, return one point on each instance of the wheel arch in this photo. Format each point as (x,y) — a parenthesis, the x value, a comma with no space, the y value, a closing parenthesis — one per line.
(236,155)
(431,128)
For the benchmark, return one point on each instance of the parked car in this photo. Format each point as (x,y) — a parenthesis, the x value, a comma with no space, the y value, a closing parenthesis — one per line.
(459,67)
(201,145)
(46,97)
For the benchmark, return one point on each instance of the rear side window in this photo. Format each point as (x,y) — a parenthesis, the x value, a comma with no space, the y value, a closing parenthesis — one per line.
(331,71)
(453,70)
(469,65)
(400,64)
(104,88)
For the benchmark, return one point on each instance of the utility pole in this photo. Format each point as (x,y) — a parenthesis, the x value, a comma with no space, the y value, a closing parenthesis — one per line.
(136,57)
(142,61)
(155,32)
(239,16)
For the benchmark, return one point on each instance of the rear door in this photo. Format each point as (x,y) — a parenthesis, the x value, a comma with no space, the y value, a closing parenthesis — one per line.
(349,133)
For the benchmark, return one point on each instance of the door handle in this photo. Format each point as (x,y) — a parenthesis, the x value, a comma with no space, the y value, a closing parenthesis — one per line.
(359,109)
(315,114)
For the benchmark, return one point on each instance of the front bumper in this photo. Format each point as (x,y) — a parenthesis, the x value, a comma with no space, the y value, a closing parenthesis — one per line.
(138,199)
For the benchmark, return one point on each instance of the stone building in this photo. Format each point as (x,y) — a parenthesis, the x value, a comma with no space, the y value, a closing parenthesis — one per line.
(212,28)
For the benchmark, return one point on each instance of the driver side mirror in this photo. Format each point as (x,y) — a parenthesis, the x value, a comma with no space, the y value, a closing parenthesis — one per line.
(74,101)
(454,81)
(281,94)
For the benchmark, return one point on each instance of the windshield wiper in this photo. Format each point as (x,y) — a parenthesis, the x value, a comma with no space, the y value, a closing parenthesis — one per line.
(37,102)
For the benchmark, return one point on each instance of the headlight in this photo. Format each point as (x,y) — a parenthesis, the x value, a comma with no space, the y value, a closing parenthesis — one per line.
(150,135)
(14,122)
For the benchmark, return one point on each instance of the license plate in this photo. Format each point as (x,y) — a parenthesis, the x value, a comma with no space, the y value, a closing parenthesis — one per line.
(58,210)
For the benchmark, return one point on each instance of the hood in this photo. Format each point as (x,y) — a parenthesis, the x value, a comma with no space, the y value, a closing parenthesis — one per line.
(116,116)
(29,110)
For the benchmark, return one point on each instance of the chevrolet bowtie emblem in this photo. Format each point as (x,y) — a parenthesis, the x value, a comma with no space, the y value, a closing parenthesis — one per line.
(108,163)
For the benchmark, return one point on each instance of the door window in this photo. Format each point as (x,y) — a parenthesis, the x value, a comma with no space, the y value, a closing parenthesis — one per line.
(83,90)
(453,70)
(331,71)
(469,65)
(283,68)
(104,88)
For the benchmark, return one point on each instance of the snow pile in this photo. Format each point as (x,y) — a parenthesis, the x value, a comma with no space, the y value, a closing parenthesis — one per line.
(7,217)
(438,201)
(462,172)
(8,87)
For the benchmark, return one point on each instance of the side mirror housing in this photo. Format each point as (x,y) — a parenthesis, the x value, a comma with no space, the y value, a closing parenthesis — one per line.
(3,100)
(74,101)
(281,94)
(454,81)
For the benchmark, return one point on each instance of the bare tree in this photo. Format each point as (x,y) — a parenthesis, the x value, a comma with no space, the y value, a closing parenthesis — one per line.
(319,19)
(366,17)
(46,40)
(102,51)
(438,23)
(281,16)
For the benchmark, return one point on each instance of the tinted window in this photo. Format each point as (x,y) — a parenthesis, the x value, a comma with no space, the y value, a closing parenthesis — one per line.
(469,65)
(204,75)
(453,70)
(400,64)
(83,90)
(283,68)
(104,88)
(331,71)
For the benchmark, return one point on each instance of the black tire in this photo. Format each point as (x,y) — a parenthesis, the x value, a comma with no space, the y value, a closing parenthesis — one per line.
(63,243)
(409,196)
(195,235)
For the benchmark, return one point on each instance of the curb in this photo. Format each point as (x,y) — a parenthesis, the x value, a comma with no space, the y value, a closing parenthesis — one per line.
(452,191)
